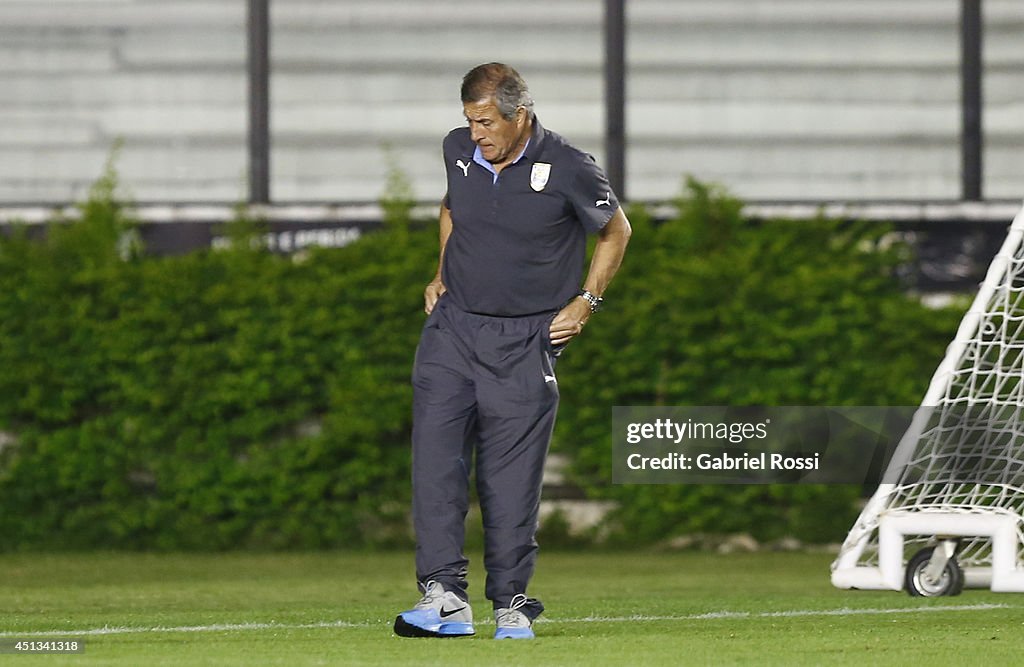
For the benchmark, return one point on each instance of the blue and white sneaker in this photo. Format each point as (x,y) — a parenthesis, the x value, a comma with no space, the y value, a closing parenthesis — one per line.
(512,623)
(439,613)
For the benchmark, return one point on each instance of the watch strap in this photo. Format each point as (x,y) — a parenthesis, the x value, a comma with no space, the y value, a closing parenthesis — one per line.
(592,299)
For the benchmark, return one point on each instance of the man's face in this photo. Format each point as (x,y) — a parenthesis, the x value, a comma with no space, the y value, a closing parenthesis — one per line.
(496,136)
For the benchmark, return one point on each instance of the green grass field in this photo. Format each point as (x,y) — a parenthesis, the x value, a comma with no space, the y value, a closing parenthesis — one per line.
(603,609)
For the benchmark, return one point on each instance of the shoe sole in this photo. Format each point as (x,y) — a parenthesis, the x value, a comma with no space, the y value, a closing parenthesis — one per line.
(406,629)
(516,633)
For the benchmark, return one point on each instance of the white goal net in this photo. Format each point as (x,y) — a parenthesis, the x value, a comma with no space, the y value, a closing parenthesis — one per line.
(955,484)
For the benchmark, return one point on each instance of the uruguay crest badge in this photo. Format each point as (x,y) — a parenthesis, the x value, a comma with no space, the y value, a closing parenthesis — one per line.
(539,175)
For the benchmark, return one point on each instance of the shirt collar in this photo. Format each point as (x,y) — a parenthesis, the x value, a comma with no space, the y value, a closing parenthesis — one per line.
(531,149)
(478,157)
(536,138)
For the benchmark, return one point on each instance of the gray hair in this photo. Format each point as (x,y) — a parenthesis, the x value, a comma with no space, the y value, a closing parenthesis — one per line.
(501,83)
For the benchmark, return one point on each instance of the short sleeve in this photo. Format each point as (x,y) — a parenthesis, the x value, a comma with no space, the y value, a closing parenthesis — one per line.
(446,150)
(591,195)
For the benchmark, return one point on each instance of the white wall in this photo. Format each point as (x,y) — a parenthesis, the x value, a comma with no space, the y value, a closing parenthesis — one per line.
(777,99)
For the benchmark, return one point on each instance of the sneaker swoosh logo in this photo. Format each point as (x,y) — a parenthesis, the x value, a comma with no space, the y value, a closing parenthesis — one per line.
(446,613)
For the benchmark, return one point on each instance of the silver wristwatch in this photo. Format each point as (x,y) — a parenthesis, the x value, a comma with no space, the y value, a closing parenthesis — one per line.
(592,299)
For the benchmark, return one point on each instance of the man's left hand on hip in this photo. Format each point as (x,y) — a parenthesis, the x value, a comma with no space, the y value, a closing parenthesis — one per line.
(569,322)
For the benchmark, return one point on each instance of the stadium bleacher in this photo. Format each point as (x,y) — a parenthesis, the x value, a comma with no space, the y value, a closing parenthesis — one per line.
(782,100)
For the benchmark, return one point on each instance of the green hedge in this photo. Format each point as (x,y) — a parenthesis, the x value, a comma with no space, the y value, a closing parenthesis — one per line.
(238,398)
(214,400)
(711,309)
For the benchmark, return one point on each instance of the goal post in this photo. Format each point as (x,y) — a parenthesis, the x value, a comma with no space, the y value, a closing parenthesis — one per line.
(954,488)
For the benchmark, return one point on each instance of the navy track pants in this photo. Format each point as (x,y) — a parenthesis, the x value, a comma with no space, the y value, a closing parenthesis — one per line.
(483,385)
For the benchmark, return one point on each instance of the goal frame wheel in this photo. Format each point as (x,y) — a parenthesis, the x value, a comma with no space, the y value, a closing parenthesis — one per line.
(918,583)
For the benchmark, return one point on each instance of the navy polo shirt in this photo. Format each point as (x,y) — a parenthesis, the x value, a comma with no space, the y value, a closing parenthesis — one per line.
(518,241)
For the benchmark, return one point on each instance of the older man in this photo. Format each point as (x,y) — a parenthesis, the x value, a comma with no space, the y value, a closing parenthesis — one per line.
(506,299)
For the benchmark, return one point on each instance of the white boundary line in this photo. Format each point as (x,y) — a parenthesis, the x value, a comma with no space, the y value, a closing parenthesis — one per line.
(844,611)
(217,627)
(708,616)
